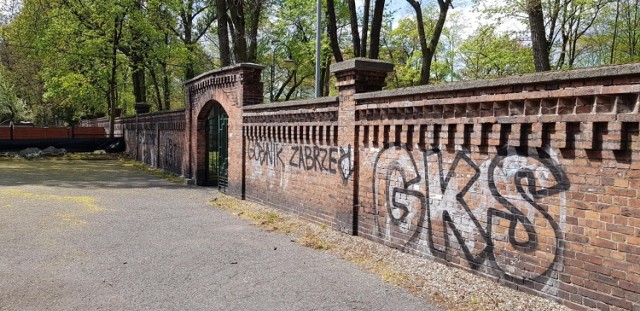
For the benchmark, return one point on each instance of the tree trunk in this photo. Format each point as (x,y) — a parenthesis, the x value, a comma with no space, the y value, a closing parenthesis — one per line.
(355,35)
(232,31)
(327,77)
(139,80)
(238,35)
(365,28)
(563,51)
(156,88)
(223,33)
(423,42)
(294,88)
(112,80)
(332,29)
(615,33)
(166,87)
(254,22)
(553,20)
(138,62)
(286,82)
(187,24)
(538,40)
(429,51)
(376,28)
(190,71)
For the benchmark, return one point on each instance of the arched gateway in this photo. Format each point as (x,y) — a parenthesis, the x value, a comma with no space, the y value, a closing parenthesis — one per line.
(214,122)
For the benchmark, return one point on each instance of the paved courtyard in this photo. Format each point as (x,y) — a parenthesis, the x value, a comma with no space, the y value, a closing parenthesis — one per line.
(80,235)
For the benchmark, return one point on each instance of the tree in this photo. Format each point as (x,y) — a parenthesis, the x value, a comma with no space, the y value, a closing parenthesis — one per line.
(429,50)
(223,33)
(376,27)
(17,59)
(401,47)
(361,43)
(629,30)
(332,29)
(576,18)
(195,17)
(488,54)
(556,27)
(106,23)
(12,108)
(538,38)
(244,29)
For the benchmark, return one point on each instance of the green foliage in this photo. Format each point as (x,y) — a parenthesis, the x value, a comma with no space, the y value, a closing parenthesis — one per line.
(80,57)
(401,46)
(66,48)
(488,54)
(12,108)
(73,94)
(580,33)
(290,36)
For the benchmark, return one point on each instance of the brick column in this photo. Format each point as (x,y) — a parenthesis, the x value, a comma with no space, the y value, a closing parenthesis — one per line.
(357,75)
(249,90)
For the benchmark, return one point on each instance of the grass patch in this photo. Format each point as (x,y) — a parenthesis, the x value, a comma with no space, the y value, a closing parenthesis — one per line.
(88,156)
(316,236)
(264,217)
(85,156)
(314,240)
(451,288)
(171,177)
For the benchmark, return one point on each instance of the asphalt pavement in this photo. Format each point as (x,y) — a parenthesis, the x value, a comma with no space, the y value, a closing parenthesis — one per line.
(99,235)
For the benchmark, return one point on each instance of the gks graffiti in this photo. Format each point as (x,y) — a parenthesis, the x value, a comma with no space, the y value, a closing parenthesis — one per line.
(407,196)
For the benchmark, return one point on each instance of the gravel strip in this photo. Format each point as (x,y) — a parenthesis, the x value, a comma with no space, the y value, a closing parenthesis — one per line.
(451,288)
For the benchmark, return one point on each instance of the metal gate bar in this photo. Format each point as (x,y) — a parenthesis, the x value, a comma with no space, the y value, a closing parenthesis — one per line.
(217,148)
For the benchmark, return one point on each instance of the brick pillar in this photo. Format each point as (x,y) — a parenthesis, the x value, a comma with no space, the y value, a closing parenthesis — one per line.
(357,75)
(249,90)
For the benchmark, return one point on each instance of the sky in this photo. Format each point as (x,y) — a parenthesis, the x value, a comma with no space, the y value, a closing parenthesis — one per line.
(468,13)
(471,16)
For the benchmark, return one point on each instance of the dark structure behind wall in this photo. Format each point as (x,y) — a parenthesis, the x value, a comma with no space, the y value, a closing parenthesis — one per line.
(532,181)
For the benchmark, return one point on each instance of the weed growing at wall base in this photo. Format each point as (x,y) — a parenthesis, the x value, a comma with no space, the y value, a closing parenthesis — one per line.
(451,288)
(153,171)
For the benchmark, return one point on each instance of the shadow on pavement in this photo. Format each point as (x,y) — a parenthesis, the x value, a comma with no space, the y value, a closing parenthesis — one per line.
(72,173)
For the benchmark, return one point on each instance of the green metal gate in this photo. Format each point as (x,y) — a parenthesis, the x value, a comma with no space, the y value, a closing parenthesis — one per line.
(217,148)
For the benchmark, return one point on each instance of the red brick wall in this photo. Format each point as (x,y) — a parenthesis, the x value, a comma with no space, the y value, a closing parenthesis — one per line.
(532,181)
(293,159)
(176,141)
(156,139)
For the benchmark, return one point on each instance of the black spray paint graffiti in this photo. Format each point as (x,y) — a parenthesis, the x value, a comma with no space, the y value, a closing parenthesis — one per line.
(402,201)
(314,158)
(172,152)
(406,199)
(266,152)
(532,194)
(147,145)
(308,158)
(346,162)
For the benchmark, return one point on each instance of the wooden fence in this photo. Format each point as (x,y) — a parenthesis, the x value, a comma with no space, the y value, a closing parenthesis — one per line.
(30,132)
